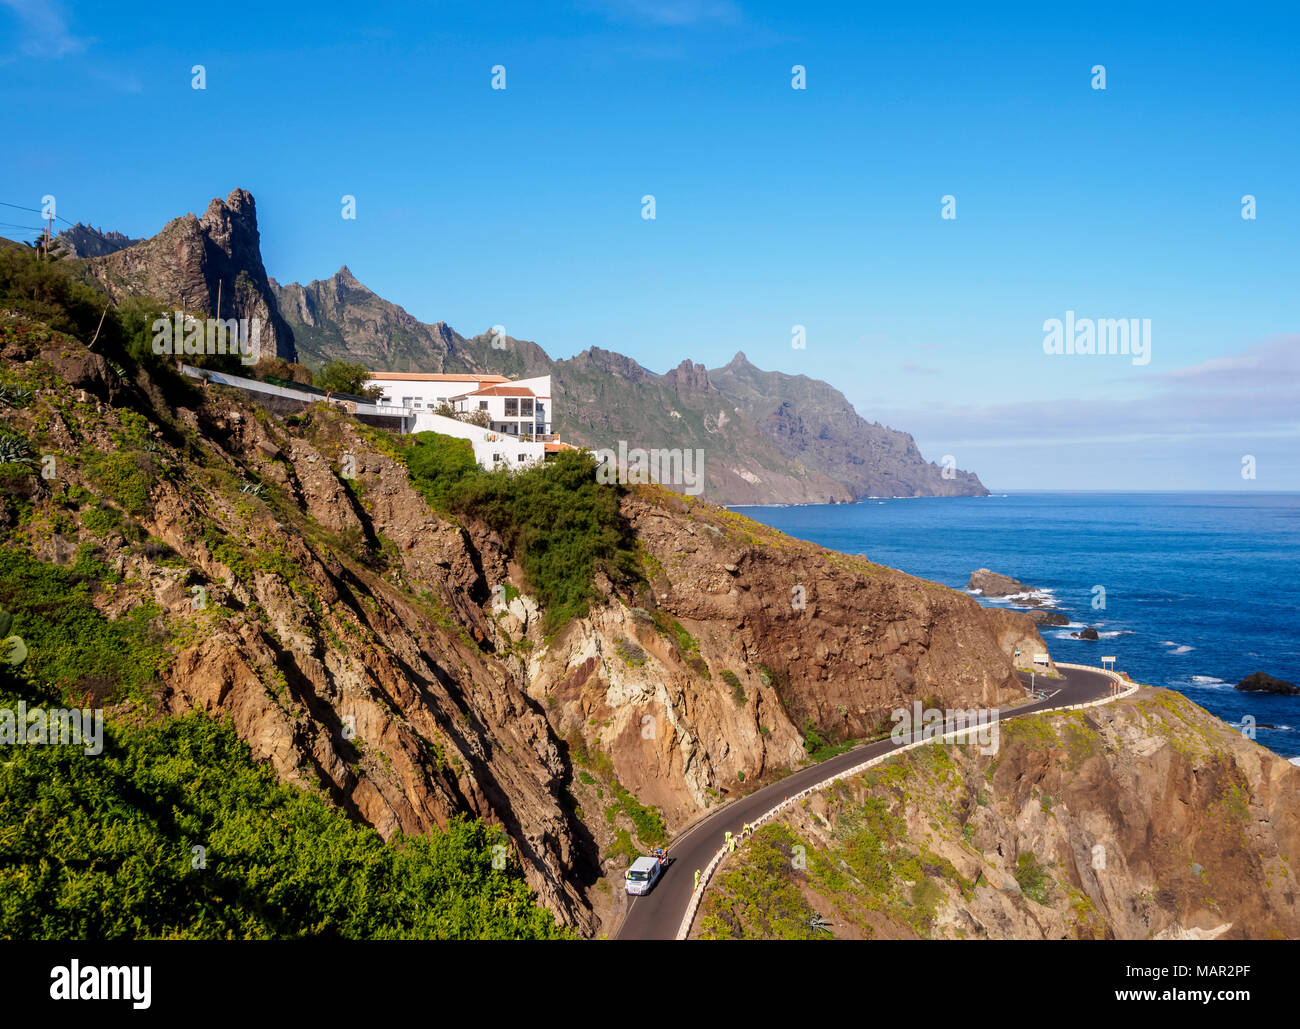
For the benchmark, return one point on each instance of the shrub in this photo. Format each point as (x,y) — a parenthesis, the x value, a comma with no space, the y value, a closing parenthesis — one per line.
(105,849)
(344,377)
(438,464)
(737,690)
(562,526)
(72,647)
(1030,877)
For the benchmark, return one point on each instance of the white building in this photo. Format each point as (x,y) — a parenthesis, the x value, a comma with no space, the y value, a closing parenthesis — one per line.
(518,412)
(421,392)
(521,408)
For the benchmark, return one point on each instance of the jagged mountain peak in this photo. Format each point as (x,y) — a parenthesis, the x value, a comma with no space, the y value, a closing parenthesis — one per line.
(202,264)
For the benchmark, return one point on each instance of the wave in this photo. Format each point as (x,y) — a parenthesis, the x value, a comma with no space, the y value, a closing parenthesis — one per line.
(1182,650)
(1045,597)
(1294,760)
(1209,680)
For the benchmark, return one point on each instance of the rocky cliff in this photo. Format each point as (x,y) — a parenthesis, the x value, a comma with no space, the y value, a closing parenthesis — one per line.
(810,421)
(85,241)
(338,317)
(193,262)
(297,582)
(1145,818)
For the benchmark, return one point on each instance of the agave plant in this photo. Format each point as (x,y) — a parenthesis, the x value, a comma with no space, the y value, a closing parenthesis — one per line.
(13,651)
(14,450)
(255,488)
(14,396)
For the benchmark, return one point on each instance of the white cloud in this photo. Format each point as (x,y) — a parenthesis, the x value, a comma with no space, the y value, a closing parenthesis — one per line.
(45,31)
(1251,394)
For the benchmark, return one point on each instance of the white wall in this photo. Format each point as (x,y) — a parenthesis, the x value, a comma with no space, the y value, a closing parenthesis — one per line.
(491,449)
(515,423)
(425,394)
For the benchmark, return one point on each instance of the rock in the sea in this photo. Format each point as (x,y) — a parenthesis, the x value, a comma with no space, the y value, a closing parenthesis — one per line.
(991,584)
(1041,617)
(1086,634)
(1262,682)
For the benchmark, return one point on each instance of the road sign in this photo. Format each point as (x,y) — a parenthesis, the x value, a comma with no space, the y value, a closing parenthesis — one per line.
(1041,659)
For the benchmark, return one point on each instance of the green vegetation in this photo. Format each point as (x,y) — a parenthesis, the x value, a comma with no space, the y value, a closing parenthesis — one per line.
(174,832)
(687,646)
(560,523)
(818,747)
(647,821)
(125,477)
(737,690)
(343,377)
(72,646)
(1029,875)
(51,293)
(759,897)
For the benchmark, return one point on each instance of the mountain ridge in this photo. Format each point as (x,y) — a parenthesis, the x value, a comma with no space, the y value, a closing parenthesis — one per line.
(767,437)
(773,437)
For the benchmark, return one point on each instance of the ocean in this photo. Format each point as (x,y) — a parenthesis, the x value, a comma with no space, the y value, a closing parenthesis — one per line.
(1200,589)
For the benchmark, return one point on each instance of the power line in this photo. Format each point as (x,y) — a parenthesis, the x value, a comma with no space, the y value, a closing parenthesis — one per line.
(34,210)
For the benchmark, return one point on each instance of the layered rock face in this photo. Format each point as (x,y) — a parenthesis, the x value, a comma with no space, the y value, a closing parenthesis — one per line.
(193,261)
(1144,818)
(349,630)
(812,638)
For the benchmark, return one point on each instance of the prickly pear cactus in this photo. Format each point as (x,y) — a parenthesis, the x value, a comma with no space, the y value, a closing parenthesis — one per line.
(13,651)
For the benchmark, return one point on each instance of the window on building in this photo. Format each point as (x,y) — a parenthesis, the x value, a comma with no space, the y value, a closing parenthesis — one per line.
(482,405)
(523,458)
(526,407)
(408,401)
(496,458)
(512,407)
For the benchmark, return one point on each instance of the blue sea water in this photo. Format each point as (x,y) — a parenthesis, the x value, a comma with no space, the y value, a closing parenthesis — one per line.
(1201,589)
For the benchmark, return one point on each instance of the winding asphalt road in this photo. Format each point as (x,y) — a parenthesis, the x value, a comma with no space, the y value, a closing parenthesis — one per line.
(658,915)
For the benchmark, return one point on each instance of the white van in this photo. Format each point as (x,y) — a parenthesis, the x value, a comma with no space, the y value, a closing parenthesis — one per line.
(643,875)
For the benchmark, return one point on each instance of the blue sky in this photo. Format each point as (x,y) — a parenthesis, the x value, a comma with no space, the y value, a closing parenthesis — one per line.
(775,207)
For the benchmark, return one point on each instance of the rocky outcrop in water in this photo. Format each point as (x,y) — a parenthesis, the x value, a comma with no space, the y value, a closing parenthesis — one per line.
(1262,682)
